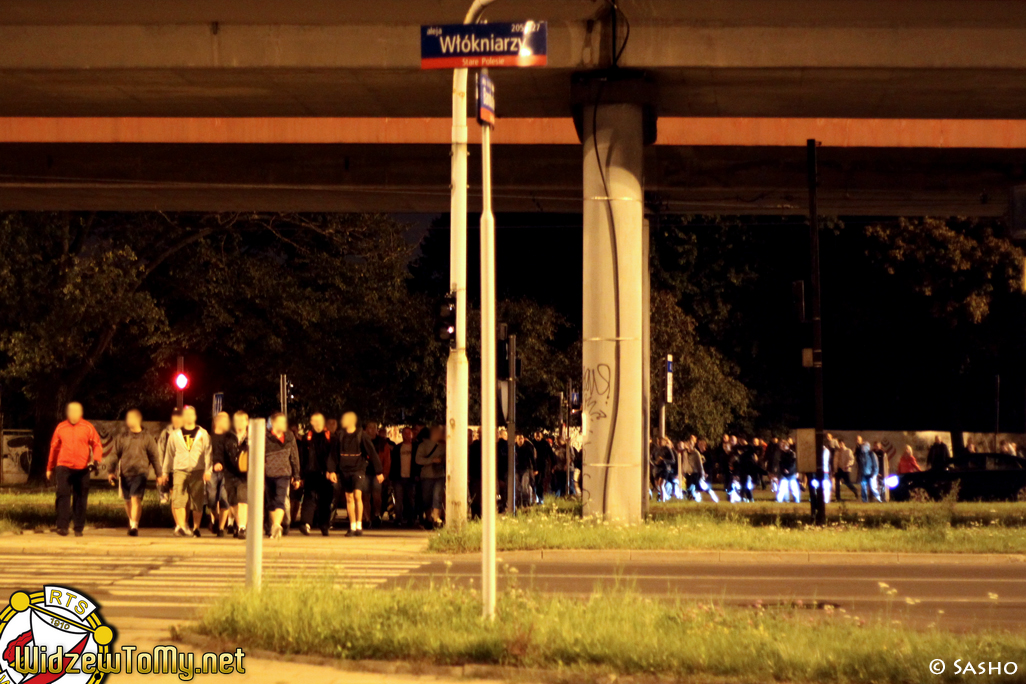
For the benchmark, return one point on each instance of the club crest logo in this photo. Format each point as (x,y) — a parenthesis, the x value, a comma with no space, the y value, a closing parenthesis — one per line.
(53,635)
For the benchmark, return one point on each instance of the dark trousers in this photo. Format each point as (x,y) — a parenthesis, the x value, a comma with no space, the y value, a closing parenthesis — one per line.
(318,494)
(405,500)
(843,477)
(72,496)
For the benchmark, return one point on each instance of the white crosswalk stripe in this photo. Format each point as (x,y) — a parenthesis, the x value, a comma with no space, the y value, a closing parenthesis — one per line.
(186,581)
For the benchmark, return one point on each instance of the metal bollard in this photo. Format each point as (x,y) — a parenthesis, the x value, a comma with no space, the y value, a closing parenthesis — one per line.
(255,484)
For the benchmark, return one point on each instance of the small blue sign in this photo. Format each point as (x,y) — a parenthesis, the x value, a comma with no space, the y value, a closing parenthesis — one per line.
(469,46)
(485,100)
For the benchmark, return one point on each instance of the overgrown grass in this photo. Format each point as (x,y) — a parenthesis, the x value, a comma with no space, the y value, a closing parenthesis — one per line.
(27,509)
(943,527)
(614,633)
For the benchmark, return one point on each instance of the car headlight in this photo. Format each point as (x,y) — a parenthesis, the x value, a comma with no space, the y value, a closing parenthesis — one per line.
(891,481)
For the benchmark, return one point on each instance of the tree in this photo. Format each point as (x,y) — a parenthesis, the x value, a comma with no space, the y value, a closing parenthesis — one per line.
(97,305)
(708,397)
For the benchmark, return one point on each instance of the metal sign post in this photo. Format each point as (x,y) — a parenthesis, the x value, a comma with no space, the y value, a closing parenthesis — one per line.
(511,422)
(217,406)
(486,117)
(257,440)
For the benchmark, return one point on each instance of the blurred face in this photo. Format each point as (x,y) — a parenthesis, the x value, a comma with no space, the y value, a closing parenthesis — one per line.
(407,435)
(73,412)
(280,424)
(349,421)
(222,423)
(520,440)
(189,417)
(317,422)
(858,440)
(176,422)
(133,420)
(503,434)
(372,428)
(240,423)
(438,433)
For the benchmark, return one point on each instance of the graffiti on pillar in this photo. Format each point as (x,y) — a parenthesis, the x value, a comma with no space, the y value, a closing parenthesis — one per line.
(596,390)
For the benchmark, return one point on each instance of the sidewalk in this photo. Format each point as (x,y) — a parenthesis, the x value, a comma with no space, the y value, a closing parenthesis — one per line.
(154,542)
(147,633)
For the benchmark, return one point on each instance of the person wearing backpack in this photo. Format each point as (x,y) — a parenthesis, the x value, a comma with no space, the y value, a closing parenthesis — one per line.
(352,449)
(232,458)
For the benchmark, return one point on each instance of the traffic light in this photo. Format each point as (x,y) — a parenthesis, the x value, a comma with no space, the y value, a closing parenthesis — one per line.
(181,381)
(447,320)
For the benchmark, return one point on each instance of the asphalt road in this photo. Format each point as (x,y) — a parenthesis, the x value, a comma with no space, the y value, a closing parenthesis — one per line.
(155,576)
(958,595)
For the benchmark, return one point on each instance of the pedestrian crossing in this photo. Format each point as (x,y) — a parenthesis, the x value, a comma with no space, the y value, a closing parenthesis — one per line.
(164,582)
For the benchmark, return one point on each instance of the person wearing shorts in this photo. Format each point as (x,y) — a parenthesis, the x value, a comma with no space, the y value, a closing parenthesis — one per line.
(188,459)
(233,449)
(131,456)
(352,450)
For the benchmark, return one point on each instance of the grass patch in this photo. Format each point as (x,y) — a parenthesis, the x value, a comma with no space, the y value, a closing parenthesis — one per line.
(615,633)
(942,527)
(27,509)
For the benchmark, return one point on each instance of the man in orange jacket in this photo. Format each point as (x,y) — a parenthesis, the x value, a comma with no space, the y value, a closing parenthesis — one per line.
(73,442)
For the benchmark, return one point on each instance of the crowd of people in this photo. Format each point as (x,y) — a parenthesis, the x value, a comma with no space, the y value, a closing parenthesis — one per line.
(685,470)
(311,474)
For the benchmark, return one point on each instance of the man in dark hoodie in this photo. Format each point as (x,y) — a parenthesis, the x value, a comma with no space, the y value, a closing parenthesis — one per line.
(230,456)
(318,491)
(133,453)
(281,469)
(352,448)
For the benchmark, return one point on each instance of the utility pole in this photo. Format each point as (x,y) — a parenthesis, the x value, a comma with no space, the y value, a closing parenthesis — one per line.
(489,445)
(511,430)
(457,375)
(816,495)
(283,393)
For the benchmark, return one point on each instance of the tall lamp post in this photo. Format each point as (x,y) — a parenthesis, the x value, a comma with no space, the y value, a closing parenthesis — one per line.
(457,368)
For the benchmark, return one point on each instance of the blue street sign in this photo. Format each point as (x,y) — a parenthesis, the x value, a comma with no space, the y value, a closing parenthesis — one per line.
(218,404)
(485,100)
(469,46)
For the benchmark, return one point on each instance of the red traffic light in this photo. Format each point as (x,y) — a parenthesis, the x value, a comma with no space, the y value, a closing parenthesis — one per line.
(181,381)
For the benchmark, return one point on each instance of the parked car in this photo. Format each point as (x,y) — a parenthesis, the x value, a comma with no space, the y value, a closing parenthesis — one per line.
(980,477)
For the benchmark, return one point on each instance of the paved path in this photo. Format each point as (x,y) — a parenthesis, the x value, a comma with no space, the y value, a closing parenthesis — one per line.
(156,575)
(159,576)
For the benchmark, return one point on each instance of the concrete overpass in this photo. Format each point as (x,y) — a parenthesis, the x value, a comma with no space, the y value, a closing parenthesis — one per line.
(321,104)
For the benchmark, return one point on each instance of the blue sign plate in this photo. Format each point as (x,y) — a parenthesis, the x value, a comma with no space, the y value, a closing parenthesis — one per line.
(485,100)
(469,46)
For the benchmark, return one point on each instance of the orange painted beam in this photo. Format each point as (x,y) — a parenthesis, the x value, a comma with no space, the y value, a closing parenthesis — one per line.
(698,131)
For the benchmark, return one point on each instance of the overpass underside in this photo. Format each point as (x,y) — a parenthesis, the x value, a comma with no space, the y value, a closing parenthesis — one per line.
(414,178)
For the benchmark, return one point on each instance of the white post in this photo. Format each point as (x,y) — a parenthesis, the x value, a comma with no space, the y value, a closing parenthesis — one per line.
(613,401)
(457,376)
(257,440)
(488,380)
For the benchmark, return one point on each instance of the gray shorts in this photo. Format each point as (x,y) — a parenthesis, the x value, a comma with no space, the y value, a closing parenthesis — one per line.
(189,490)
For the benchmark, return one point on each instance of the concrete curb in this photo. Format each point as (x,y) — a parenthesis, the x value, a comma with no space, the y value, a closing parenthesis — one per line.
(737,557)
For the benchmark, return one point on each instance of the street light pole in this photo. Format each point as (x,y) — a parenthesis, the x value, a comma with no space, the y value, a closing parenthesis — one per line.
(817,494)
(457,368)
(489,446)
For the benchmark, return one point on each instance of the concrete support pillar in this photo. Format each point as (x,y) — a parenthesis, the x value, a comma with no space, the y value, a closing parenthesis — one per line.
(613,395)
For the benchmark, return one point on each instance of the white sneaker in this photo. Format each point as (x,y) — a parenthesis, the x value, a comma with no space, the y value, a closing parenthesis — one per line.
(276,532)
